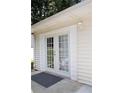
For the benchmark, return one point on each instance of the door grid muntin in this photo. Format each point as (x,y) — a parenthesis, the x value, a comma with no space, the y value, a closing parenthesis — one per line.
(50,52)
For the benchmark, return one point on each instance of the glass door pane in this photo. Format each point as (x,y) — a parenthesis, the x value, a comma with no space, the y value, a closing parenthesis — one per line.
(50,52)
(63,53)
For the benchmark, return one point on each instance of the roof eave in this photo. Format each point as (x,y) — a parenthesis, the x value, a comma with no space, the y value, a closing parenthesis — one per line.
(65,15)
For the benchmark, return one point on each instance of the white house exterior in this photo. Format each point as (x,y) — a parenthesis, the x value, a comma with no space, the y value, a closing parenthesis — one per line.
(63,43)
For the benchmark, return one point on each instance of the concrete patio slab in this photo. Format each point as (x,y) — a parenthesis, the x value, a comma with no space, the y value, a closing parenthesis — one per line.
(85,89)
(64,86)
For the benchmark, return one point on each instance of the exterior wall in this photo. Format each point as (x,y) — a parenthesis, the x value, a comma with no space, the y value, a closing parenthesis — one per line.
(37,51)
(84,54)
(83,60)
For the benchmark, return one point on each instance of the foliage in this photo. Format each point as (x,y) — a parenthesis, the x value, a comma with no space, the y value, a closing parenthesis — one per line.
(41,9)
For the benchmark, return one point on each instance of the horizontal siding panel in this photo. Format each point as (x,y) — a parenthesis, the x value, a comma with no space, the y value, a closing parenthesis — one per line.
(85,72)
(84,42)
(84,57)
(85,64)
(84,49)
(88,70)
(84,77)
(85,52)
(37,52)
(88,57)
(85,61)
(85,81)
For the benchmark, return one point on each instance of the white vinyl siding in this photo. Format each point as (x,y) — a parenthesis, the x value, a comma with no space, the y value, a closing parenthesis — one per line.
(37,52)
(32,41)
(84,56)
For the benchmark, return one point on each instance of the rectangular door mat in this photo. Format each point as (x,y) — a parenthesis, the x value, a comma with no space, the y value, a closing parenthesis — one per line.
(46,79)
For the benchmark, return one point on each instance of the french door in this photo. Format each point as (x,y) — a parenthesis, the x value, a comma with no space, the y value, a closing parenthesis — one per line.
(58,54)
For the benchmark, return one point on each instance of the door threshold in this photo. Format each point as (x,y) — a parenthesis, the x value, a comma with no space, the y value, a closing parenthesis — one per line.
(57,74)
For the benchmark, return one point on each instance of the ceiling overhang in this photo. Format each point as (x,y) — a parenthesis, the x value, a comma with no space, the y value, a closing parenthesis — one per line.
(64,18)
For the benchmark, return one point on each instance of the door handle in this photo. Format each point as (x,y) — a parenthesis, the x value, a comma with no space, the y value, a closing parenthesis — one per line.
(54,53)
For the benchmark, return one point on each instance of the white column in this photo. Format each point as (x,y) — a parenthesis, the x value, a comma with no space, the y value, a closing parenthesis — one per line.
(73,52)
(42,53)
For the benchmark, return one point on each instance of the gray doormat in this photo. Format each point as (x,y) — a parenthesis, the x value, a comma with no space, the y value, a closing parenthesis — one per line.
(46,79)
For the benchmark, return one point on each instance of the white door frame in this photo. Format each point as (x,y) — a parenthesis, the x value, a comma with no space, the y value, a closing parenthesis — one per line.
(56,57)
(72,35)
